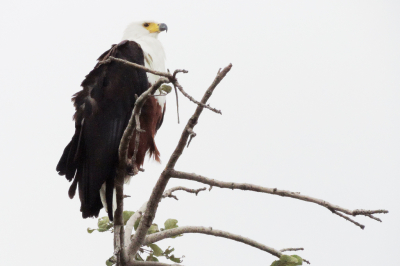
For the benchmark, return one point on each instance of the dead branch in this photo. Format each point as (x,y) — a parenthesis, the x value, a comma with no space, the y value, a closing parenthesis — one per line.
(169,76)
(149,263)
(290,249)
(348,219)
(132,220)
(192,135)
(284,193)
(119,235)
(159,188)
(177,104)
(168,193)
(209,231)
(177,85)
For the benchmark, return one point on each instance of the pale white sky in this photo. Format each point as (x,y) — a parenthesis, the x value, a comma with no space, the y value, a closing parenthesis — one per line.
(311,105)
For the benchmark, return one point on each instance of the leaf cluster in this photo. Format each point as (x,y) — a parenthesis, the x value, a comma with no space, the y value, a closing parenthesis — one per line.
(104,225)
(155,251)
(288,260)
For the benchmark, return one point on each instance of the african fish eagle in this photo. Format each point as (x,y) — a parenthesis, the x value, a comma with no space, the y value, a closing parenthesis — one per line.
(103,108)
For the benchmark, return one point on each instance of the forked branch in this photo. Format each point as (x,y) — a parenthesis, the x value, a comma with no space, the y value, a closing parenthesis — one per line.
(168,193)
(284,193)
(169,76)
(159,188)
(149,209)
(119,234)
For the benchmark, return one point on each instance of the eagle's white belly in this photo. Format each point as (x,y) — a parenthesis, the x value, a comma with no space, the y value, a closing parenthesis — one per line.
(151,62)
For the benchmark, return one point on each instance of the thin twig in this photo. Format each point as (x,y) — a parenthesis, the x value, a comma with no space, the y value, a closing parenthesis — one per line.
(177,103)
(168,193)
(132,220)
(373,217)
(171,78)
(158,73)
(348,219)
(192,135)
(275,191)
(177,85)
(291,249)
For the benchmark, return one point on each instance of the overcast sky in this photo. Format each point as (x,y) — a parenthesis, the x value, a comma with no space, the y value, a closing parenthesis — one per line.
(311,105)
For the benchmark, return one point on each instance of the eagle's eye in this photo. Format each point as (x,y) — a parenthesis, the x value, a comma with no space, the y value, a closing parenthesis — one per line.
(146,25)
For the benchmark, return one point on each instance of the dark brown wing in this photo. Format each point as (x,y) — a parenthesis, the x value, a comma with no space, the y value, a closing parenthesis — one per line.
(103,108)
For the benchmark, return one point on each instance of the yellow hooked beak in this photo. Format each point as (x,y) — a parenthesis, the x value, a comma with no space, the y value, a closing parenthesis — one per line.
(154,27)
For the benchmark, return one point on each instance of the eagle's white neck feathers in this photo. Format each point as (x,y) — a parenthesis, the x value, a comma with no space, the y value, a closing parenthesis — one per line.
(153,50)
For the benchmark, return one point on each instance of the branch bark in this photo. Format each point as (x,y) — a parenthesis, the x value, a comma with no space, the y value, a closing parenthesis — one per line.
(132,220)
(209,231)
(284,193)
(170,77)
(119,234)
(168,193)
(149,263)
(159,188)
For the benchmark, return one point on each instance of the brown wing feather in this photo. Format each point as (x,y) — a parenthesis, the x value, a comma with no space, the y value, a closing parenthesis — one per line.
(105,103)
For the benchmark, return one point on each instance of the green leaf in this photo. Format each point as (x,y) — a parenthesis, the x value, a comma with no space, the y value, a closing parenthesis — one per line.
(165,88)
(287,260)
(171,223)
(276,263)
(90,230)
(178,260)
(126,215)
(104,224)
(299,260)
(151,258)
(103,221)
(137,223)
(153,229)
(169,251)
(138,257)
(109,263)
(157,251)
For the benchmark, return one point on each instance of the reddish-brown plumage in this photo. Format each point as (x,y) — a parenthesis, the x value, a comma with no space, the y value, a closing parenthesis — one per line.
(151,116)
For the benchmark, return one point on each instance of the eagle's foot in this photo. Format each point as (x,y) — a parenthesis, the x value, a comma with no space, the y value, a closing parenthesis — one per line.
(132,169)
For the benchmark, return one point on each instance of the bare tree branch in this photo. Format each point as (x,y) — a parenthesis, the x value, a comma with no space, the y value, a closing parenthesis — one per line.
(192,135)
(290,249)
(171,78)
(275,191)
(168,193)
(348,219)
(158,73)
(159,188)
(119,234)
(209,231)
(149,263)
(177,85)
(132,220)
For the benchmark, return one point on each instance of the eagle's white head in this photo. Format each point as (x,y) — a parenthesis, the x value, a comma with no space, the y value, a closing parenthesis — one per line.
(145,34)
(137,30)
